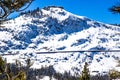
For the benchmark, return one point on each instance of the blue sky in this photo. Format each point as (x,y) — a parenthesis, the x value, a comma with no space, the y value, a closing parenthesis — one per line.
(94,9)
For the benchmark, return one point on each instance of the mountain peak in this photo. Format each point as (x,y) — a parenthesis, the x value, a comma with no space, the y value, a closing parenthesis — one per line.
(51,7)
(54,10)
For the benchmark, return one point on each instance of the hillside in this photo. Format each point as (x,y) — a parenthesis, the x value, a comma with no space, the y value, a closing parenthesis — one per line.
(55,29)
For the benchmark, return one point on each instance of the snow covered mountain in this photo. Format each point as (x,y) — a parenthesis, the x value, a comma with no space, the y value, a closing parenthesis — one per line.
(54,29)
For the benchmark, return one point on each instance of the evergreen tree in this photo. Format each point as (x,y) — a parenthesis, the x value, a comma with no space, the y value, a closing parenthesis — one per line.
(114,74)
(85,73)
(14,72)
(115,8)
(9,6)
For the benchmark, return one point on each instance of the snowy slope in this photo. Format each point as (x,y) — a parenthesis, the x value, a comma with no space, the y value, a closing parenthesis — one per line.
(54,29)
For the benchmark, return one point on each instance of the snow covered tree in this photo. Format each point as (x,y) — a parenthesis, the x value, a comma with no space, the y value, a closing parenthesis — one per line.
(85,73)
(9,6)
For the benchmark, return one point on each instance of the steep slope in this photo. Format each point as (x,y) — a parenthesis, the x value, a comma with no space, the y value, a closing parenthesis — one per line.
(54,29)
